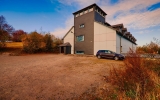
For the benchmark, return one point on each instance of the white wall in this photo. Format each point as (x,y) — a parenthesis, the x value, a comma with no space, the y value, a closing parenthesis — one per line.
(70,38)
(104,38)
(125,44)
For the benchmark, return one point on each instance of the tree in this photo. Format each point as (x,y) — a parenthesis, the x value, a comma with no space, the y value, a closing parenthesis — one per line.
(56,43)
(33,42)
(17,35)
(5,31)
(150,48)
(48,43)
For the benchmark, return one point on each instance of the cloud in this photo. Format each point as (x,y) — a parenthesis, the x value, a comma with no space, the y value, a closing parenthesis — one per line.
(138,20)
(81,3)
(60,32)
(134,14)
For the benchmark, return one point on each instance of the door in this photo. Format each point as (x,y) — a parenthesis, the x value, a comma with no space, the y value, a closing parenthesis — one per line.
(62,49)
(108,54)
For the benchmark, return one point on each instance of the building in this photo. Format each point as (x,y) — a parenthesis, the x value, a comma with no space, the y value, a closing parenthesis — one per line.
(91,33)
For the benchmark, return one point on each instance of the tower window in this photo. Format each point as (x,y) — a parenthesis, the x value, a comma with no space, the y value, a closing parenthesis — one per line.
(88,10)
(83,12)
(81,26)
(80,38)
(79,52)
(77,15)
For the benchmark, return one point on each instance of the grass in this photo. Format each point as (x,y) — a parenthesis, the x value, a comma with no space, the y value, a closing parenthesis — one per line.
(14,45)
(138,79)
(14,48)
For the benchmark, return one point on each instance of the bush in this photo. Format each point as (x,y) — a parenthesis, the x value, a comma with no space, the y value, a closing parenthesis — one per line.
(33,43)
(48,43)
(136,80)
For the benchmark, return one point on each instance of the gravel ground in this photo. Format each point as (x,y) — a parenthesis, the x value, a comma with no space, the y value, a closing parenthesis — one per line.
(50,76)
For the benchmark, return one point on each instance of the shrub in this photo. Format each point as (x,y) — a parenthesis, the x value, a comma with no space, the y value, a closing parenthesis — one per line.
(136,80)
(33,43)
(48,43)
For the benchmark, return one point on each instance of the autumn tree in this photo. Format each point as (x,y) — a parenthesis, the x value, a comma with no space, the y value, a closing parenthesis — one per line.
(33,42)
(149,48)
(17,35)
(48,43)
(56,43)
(5,29)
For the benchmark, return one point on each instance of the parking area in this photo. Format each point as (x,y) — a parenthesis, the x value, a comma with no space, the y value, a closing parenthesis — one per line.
(50,76)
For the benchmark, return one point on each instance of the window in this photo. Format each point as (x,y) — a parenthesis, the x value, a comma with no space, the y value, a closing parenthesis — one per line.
(106,51)
(79,52)
(88,10)
(81,26)
(83,12)
(91,9)
(77,15)
(80,38)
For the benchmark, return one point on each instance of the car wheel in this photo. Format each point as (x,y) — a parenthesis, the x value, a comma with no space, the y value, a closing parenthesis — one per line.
(99,57)
(116,58)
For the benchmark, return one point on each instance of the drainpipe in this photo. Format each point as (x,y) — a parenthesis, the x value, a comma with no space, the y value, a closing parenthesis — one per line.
(121,40)
(120,45)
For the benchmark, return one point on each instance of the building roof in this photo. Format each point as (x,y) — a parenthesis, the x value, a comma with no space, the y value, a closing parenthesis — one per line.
(106,23)
(86,8)
(67,32)
(124,29)
(118,25)
(65,44)
(128,33)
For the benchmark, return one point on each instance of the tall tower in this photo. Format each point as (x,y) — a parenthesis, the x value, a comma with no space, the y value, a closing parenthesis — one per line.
(84,28)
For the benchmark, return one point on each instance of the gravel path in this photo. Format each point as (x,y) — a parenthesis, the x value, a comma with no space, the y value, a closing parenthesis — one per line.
(50,76)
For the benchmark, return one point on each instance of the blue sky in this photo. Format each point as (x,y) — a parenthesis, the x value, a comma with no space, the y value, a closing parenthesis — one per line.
(141,17)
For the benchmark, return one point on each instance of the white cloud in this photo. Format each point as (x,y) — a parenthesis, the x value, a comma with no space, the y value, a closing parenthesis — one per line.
(60,32)
(81,3)
(139,18)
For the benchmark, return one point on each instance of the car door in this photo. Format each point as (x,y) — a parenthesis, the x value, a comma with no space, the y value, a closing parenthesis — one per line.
(102,53)
(111,54)
(106,54)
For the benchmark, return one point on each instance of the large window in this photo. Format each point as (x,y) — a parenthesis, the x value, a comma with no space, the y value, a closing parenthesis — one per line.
(81,26)
(80,38)
(79,52)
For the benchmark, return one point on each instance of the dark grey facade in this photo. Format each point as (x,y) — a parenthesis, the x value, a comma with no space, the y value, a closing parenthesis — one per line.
(87,18)
(87,31)
(99,18)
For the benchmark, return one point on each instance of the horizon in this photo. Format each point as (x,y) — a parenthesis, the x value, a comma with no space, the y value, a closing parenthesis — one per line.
(141,18)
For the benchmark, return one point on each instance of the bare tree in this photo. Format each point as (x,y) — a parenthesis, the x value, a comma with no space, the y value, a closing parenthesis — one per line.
(17,35)
(5,30)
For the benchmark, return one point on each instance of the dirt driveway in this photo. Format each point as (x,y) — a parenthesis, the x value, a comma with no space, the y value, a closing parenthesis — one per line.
(50,76)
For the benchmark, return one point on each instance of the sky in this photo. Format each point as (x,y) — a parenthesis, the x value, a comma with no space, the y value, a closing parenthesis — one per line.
(140,17)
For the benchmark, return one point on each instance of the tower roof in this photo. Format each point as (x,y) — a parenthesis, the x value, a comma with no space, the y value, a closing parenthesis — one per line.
(86,8)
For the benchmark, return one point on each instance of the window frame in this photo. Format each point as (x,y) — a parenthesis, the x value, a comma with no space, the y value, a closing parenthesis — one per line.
(81,25)
(78,39)
(80,51)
